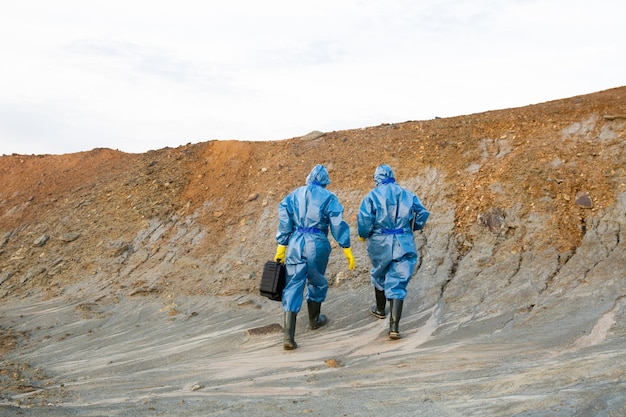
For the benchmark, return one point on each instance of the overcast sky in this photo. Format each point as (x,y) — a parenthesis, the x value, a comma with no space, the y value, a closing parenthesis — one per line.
(142,75)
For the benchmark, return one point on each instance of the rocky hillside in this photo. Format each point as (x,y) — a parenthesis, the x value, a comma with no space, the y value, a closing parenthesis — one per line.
(206,211)
(528,204)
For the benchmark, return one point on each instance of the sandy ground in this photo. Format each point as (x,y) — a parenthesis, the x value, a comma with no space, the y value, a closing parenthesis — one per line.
(223,356)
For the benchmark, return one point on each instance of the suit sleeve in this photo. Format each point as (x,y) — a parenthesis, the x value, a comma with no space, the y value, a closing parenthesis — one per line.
(338,227)
(365,218)
(420,214)
(285,222)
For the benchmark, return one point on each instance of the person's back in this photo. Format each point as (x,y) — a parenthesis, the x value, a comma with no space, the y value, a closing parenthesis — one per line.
(313,207)
(387,217)
(394,208)
(305,217)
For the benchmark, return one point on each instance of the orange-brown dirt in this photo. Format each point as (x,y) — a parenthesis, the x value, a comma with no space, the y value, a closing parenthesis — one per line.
(513,146)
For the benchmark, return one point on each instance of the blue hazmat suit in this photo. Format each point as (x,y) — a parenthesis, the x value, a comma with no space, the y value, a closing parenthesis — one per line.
(305,217)
(387,217)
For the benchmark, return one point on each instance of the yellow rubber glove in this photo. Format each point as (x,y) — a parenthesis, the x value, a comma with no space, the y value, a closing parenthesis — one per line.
(349,257)
(362,239)
(280,254)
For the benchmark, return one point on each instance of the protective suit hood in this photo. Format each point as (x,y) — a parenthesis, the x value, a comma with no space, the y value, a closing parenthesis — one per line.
(384,175)
(318,176)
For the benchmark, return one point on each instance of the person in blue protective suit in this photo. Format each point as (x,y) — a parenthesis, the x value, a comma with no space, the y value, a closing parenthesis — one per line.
(305,217)
(387,218)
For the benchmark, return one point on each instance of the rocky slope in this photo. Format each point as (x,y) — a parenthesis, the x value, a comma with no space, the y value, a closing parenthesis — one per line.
(128,282)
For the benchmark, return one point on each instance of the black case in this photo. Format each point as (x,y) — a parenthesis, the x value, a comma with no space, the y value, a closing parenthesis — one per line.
(273,280)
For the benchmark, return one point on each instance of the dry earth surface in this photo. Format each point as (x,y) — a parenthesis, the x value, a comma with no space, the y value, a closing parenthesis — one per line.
(129,282)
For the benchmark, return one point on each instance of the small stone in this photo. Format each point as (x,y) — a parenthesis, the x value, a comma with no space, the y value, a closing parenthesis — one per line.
(268,329)
(41,240)
(194,386)
(493,219)
(70,237)
(583,200)
(5,276)
(332,363)
(253,196)
(316,134)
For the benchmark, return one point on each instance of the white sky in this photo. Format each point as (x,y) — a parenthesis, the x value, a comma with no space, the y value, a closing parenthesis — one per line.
(142,75)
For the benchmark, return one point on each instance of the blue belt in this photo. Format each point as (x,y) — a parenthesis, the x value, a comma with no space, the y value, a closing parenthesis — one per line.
(392,231)
(308,230)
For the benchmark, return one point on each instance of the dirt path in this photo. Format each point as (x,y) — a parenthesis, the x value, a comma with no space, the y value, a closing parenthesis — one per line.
(135,357)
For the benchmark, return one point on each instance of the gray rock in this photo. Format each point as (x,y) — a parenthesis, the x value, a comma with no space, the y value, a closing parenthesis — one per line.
(5,276)
(583,200)
(41,240)
(70,237)
(316,134)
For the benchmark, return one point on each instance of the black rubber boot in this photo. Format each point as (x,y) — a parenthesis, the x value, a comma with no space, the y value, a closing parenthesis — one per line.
(316,320)
(378,310)
(290,330)
(394,318)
